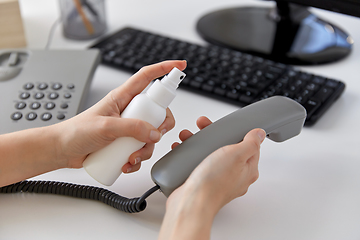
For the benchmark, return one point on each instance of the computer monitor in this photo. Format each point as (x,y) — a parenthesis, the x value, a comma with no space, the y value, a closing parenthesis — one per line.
(287,33)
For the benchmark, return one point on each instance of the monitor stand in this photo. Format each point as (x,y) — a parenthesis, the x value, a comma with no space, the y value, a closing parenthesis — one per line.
(287,33)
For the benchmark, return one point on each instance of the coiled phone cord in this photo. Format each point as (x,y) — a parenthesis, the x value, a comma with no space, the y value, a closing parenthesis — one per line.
(129,205)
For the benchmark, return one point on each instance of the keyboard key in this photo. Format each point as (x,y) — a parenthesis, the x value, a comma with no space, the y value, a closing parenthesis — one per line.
(323,94)
(195,84)
(246,99)
(220,91)
(232,95)
(311,106)
(332,83)
(207,87)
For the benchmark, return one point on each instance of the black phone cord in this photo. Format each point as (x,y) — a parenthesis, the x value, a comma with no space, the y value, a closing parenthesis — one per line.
(129,205)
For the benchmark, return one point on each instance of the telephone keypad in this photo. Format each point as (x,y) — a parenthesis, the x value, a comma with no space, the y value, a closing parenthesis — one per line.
(52,98)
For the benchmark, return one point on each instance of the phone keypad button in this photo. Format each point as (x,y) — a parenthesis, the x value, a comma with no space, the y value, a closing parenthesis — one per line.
(70,86)
(50,105)
(16,116)
(20,105)
(35,105)
(28,86)
(56,86)
(31,116)
(46,116)
(42,86)
(61,116)
(39,95)
(64,106)
(53,95)
(24,95)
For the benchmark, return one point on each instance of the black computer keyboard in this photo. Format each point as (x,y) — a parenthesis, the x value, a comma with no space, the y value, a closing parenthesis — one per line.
(222,73)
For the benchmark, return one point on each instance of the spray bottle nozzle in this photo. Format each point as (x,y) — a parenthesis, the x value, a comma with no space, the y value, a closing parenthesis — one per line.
(173,79)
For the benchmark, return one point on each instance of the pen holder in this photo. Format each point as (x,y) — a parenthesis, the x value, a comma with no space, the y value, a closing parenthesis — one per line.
(83,19)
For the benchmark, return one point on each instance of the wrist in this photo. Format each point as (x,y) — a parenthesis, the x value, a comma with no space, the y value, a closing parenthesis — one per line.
(53,141)
(32,152)
(50,147)
(189,214)
(193,197)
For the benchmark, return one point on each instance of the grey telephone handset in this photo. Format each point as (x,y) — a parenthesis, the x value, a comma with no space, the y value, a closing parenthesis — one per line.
(280,117)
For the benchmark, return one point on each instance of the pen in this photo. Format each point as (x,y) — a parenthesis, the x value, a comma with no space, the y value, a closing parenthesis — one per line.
(86,21)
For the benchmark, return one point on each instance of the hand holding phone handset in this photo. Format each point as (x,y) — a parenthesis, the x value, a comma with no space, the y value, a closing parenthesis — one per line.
(280,117)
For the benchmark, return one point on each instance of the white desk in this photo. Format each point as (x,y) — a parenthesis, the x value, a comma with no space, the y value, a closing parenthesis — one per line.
(309,186)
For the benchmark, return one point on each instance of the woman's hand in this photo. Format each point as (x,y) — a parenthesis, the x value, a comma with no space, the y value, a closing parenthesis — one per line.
(221,177)
(101,124)
(34,151)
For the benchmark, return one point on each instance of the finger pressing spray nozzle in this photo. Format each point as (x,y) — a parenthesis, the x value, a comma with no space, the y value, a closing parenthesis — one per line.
(105,165)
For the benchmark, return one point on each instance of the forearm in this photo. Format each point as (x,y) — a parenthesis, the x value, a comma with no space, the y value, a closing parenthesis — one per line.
(27,153)
(189,217)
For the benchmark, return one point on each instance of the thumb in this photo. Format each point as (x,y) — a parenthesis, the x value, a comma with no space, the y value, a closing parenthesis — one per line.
(256,135)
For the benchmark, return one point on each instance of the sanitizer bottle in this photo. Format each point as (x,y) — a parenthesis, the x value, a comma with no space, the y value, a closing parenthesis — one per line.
(105,165)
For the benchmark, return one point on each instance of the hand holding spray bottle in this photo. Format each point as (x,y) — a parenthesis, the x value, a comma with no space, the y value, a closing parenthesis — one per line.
(105,164)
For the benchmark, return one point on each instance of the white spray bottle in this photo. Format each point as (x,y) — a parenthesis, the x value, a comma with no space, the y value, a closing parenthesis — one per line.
(105,165)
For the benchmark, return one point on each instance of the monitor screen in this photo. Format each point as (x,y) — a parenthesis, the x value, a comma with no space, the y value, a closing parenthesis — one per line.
(349,7)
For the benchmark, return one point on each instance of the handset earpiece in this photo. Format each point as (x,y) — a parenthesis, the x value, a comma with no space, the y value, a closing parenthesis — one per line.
(280,117)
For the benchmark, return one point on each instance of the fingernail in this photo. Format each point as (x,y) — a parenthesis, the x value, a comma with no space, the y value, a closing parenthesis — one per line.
(137,160)
(129,169)
(155,136)
(261,134)
(163,132)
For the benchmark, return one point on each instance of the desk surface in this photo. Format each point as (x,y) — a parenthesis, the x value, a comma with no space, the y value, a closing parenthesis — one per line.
(308,186)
